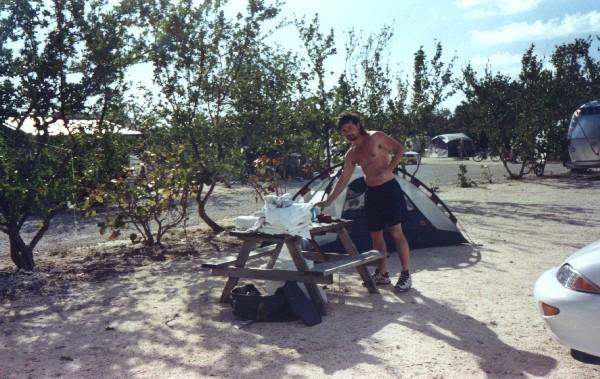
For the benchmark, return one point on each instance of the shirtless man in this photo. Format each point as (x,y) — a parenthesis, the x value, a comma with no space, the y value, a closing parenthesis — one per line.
(378,155)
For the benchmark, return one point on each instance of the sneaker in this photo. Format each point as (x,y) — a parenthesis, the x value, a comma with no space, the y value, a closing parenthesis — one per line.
(404,282)
(380,278)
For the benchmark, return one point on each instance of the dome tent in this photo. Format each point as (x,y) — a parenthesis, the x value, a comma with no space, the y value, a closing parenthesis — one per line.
(451,145)
(430,221)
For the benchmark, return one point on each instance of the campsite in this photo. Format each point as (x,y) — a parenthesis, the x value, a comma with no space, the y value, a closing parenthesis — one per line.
(171,204)
(470,313)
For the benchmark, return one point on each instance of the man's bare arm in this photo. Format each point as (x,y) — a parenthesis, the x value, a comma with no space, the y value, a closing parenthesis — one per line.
(347,171)
(394,147)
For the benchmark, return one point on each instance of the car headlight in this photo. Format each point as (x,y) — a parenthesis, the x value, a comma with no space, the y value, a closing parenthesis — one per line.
(573,280)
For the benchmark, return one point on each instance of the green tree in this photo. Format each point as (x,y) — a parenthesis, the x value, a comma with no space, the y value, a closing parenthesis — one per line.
(529,141)
(197,54)
(154,199)
(526,119)
(431,85)
(365,85)
(347,90)
(376,89)
(491,103)
(319,47)
(397,107)
(463,120)
(59,61)
(509,114)
(576,81)
(263,101)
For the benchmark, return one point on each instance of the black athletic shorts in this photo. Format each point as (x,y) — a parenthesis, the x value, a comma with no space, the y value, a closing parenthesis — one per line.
(385,206)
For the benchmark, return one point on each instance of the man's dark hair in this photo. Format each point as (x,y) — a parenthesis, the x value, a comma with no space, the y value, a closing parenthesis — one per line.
(347,117)
(352,117)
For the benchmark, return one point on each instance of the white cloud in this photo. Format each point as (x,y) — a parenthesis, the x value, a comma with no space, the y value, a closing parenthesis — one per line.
(505,63)
(540,30)
(549,66)
(499,59)
(486,8)
(467,3)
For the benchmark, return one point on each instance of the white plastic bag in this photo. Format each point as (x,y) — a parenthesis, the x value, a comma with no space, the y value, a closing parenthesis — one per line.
(291,218)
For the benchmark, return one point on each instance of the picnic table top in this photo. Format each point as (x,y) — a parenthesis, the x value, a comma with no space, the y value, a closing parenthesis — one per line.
(315,228)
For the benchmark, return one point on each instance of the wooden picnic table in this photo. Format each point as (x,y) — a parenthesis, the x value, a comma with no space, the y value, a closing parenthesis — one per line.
(326,264)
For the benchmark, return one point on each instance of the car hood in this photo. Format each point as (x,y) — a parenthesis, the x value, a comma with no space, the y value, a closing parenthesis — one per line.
(587,261)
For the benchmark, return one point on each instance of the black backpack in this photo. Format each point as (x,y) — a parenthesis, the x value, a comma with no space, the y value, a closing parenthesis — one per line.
(249,304)
(288,303)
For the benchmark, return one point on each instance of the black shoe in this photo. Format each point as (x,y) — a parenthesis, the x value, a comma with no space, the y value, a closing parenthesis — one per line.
(404,282)
(380,278)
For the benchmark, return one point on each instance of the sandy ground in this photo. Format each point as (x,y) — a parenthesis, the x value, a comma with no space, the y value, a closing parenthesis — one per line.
(470,314)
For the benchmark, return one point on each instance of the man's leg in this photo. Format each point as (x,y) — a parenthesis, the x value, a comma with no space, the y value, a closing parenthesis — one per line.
(379,244)
(404,282)
(401,246)
(381,275)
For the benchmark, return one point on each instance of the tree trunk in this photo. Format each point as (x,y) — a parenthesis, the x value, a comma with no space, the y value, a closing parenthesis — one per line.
(20,253)
(149,239)
(202,210)
(202,214)
(512,175)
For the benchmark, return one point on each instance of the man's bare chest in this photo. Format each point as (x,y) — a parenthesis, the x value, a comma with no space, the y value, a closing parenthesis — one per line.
(369,153)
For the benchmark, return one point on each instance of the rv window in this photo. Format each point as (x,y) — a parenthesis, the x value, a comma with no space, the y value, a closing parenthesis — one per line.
(585,126)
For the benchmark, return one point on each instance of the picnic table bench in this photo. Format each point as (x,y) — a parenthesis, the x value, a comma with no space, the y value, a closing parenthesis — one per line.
(234,267)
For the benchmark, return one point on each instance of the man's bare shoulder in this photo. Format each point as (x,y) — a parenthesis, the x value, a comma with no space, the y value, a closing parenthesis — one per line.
(376,134)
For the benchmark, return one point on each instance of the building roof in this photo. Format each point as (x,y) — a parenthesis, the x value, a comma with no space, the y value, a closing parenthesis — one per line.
(58,128)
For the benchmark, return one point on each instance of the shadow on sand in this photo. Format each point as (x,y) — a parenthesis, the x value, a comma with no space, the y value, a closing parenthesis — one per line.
(112,331)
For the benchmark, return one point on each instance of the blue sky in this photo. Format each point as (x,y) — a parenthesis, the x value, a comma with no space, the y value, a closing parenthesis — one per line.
(495,32)
(474,30)
(477,31)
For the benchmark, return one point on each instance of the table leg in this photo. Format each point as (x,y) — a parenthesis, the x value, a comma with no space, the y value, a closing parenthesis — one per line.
(362,270)
(247,247)
(301,265)
(275,255)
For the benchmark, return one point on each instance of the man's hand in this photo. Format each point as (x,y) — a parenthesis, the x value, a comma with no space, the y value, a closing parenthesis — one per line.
(322,204)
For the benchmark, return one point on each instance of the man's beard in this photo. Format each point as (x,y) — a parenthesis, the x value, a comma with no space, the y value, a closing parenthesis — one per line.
(351,137)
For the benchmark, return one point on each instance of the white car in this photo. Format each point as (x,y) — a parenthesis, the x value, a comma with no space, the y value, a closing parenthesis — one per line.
(411,157)
(568,298)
